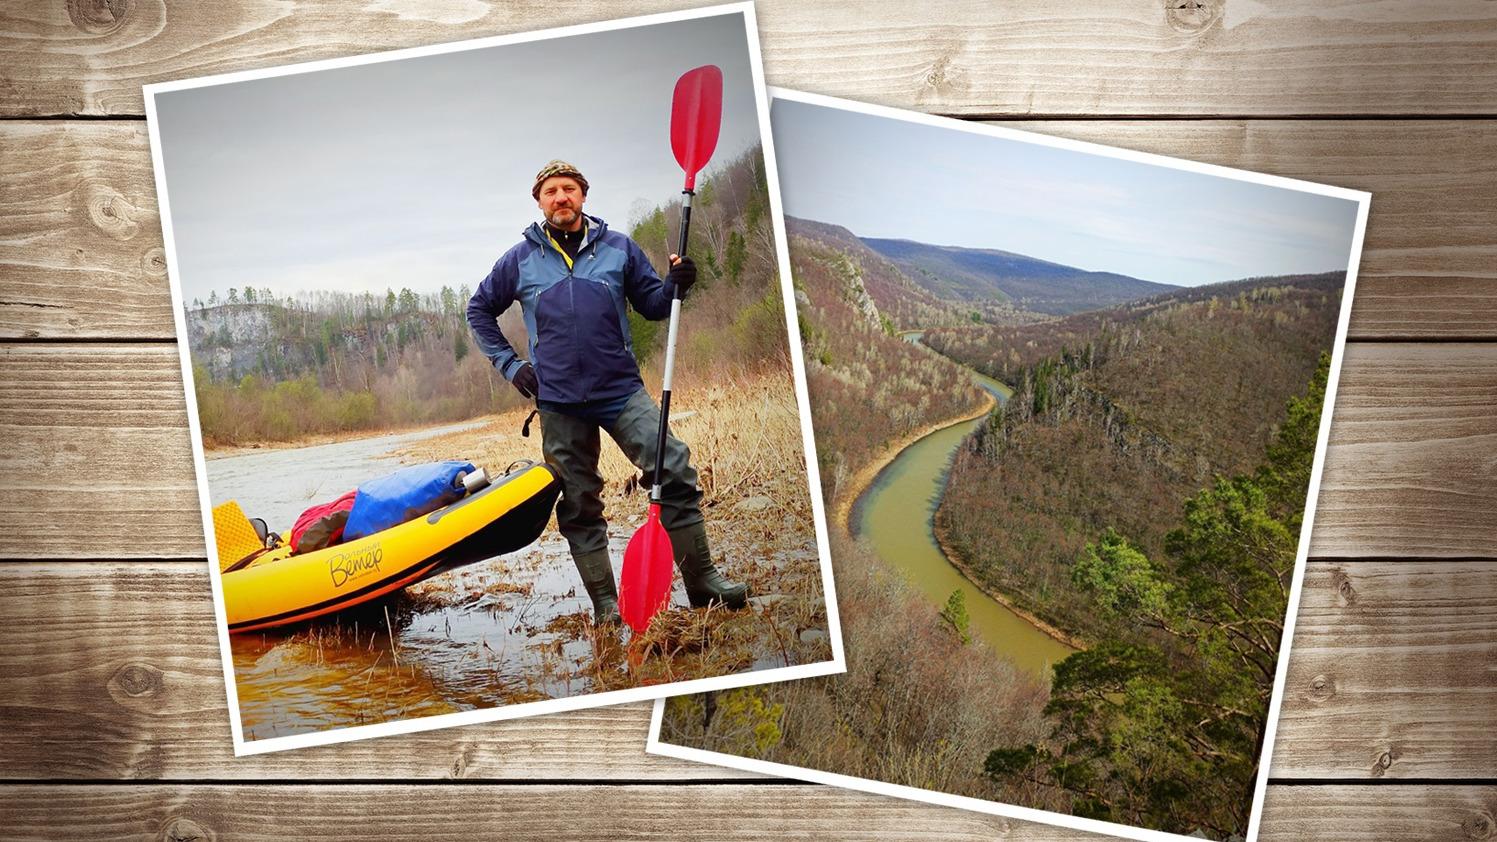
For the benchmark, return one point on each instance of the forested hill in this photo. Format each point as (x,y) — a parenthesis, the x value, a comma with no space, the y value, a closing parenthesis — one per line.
(331,335)
(1120,416)
(869,388)
(1006,352)
(903,302)
(967,274)
(283,368)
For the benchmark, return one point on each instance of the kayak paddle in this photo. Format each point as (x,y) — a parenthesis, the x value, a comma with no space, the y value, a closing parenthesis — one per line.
(649,561)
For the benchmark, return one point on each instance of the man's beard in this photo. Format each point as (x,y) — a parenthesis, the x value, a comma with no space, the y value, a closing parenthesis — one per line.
(556,218)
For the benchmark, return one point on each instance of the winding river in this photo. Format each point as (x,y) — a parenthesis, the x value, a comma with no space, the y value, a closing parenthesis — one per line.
(896,515)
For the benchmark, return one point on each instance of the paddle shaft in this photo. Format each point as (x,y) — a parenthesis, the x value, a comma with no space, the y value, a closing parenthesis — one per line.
(670,354)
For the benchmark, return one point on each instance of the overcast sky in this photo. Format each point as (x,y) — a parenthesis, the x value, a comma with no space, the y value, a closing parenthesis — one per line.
(417,172)
(881,177)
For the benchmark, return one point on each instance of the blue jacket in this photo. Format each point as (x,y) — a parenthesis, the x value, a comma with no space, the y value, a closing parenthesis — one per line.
(574,312)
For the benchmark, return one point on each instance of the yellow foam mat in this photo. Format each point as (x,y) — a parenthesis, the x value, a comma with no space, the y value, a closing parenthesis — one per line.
(234,534)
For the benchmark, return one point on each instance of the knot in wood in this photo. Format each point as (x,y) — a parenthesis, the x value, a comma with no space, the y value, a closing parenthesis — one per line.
(98,17)
(136,680)
(1192,17)
(181,829)
(1477,826)
(464,760)
(1382,763)
(153,262)
(1342,583)
(1322,688)
(943,76)
(108,210)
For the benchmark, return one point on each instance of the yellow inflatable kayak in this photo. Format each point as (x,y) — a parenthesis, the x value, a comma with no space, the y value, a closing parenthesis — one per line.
(276,588)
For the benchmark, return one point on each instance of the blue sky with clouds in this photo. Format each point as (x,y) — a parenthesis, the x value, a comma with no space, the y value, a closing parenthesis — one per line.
(881,177)
(417,172)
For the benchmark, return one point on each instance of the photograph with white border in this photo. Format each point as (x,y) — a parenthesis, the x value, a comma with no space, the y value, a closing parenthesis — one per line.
(1071,405)
(472,441)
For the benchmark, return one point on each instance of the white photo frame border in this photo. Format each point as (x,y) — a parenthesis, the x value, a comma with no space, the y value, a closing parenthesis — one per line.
(1363,201)
(837,663)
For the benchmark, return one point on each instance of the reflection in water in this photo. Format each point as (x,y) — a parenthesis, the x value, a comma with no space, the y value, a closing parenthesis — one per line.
(509,630)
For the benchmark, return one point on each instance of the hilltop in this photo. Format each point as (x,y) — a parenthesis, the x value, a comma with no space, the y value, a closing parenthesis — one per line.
(1118,417)
(1028,283)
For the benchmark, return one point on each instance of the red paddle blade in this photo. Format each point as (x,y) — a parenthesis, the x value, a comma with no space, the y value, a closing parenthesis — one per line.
(649,564)
(696,118)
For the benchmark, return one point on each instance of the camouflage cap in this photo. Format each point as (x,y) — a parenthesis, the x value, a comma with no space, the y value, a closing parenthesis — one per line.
(556,168)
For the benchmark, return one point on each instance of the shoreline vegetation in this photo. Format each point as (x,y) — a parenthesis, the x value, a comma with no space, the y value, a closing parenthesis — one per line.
(902,711)
(864,479)
(325,367)
(865,476)
(1146,481)
(1068,638)
(218,450)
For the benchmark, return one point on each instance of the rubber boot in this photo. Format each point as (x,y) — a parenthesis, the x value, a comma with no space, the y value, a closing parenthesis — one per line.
(597,576)
(705,585)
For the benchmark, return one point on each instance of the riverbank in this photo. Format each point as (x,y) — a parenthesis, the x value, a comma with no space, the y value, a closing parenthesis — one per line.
(1001,598)
(746,444)
(863,479)
(213,451)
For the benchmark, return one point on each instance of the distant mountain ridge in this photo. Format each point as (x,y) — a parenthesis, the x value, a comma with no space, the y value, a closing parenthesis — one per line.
(897,296)
(952,272)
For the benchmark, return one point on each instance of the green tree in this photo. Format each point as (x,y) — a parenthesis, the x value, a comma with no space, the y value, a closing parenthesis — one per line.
(249,295)
(734,256)
(1163,727)
(233,295)
(955,614)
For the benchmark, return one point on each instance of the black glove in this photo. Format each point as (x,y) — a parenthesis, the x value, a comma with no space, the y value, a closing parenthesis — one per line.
(683,275)
(524,381)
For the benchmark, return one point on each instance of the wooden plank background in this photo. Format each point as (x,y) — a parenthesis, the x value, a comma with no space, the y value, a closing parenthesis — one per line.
(112,714)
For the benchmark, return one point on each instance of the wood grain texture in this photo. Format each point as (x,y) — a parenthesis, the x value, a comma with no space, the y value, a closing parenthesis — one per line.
(771,812)
(609,813)
(100,432)
(80,235)
(1413,453)
(81,254)
(1359,813)
(1390,675)
(112,671)
(98,455)
(1129,57)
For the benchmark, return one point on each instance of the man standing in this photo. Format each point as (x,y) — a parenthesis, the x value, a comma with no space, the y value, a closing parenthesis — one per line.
(572,277)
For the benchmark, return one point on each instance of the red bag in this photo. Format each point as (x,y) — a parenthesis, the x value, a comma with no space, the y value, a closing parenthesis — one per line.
(322,525)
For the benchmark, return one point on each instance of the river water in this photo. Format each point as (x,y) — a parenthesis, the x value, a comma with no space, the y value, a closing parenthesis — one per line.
(896,515)
(498,632)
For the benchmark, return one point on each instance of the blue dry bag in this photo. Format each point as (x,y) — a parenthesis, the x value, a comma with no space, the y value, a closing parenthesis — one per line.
(404,495)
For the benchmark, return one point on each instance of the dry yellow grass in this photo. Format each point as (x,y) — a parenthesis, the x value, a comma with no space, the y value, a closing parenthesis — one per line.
(746,443)
(745,438)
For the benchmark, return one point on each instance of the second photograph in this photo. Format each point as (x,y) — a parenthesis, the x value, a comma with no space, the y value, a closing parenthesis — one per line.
(1070,405)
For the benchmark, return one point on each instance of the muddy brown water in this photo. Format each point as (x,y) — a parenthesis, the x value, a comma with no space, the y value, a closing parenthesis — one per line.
(896,516)
(507,630)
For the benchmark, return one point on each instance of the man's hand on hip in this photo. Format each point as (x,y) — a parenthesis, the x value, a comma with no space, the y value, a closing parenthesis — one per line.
(524,381)
(683,273)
